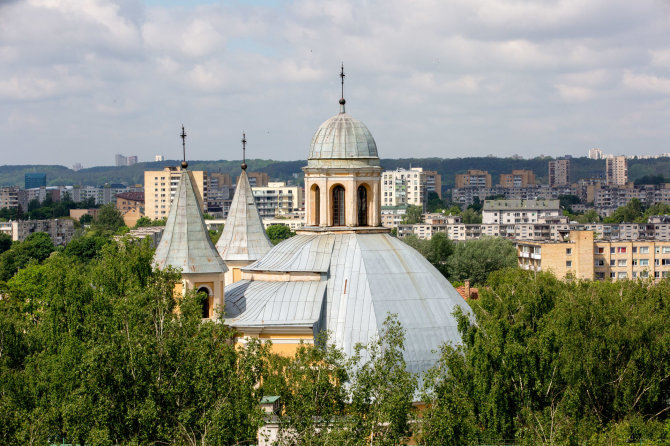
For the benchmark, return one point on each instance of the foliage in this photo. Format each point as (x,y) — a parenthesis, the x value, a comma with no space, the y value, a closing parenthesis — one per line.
(476,205)
(97,354)
(476,259)
(109,219)
(590,216)
(144,222)
(551,362)
(215,234)
(433,202)
(329,399)
(5,242)
(652,179)
(470,216)
(567,201)
(87,247)
(412,215)
(630,213)
(35,248)
(86,219)
(278,233)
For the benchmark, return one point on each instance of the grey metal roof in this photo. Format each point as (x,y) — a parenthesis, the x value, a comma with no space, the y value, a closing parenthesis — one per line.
(243,236)
(343,137)
(185,243)
(274,303)
(367,277)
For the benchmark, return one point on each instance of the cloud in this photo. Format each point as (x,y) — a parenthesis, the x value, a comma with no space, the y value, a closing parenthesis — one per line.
(443,78)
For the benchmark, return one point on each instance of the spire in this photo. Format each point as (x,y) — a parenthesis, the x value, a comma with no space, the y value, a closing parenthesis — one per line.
(243,237)
(244,151)
(184,163)
(342,101)
(185,243)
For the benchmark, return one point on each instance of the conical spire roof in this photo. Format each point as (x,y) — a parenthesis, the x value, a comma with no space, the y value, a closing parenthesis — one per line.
(243,237)
(185,244)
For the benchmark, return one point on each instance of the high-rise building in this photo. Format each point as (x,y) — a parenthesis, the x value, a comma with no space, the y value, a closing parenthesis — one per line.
(35,179)
(518,178)
(76,167)
(9,197)
(278,199)
(132,159)
(474,178)
(559,172)
(258,179)
(402,187)
(121,160)
(161,185)
(616,170)
(596,154)
(158,158)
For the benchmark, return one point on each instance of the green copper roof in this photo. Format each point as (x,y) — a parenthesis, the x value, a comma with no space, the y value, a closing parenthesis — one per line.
(185,244)
(243,237)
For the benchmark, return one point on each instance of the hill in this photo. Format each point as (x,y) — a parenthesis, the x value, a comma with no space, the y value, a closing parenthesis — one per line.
(284,170)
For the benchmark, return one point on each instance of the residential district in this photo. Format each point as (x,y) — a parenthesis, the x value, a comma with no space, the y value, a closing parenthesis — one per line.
(522,210)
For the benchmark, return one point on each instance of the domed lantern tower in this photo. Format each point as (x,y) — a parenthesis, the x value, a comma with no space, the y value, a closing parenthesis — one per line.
(342,176)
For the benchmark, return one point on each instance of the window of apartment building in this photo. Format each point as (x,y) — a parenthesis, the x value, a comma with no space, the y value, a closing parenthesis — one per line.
(657,262)
(599,262)
(634,249)
(634,274)
(657,250)
(644,262)
(665,249)
(600,250)
(664,273)
(612,262)
(568,264)
(600,275)
(634,262)
(622,275)
(665,262)
(644,274)
(568,251)
(657,274)
(622,262)
(621,250)
(612,250)
(644,249)
(613,275)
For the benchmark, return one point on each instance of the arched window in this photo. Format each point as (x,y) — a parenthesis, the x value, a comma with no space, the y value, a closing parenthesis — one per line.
(338,206)
(204,295)
(362,206)
(316,202)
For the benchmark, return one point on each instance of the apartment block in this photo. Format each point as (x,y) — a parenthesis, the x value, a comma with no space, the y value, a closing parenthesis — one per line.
(60,230)
(559,172)
(257,179)
(9,197)
(473,178)
(403,187)
(585,257)
(161,185)
(518,178)
(277,199)
(520,211)
(35,179)
(616,170)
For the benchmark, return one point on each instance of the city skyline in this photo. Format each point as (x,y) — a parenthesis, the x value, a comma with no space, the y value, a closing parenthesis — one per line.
(82,82)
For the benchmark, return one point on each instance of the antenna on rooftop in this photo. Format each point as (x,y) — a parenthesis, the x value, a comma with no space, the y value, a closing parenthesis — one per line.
(244,151)
(342,101)
(184,164)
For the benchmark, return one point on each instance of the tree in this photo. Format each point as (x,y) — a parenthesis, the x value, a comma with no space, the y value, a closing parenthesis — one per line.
(87,247)
(86,219)
(433,202)
(567,201)
(5,242)
(277,233)
(470,216)
(476,259)
(630,213)
(35,248)
(551,362)
(108,219)
(143,222)
(412,215)
(590,216)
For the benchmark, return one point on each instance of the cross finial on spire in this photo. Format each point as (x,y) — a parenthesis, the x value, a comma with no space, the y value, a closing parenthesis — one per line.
(244,151)
(184,163)
(342,101)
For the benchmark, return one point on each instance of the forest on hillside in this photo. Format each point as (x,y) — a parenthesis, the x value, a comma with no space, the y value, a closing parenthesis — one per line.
(285,170)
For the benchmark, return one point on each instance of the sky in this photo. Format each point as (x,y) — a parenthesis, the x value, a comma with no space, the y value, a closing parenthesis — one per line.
(82,80)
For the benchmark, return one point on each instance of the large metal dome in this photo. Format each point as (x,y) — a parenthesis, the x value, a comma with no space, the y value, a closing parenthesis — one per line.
(343,137)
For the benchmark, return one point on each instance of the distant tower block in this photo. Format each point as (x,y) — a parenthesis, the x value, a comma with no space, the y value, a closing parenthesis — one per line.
(158,158)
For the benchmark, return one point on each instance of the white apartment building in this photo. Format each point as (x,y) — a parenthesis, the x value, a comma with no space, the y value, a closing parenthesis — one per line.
(520,211)
(278,199)
(60,230)
(161,185)
(403,187)
(9,197)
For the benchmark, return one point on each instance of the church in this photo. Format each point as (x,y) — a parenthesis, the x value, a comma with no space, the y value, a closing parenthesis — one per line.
(343,273)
